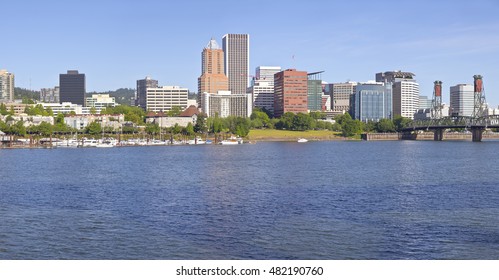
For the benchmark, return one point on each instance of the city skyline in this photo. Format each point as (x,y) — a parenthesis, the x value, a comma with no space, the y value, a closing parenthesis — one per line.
(120,43)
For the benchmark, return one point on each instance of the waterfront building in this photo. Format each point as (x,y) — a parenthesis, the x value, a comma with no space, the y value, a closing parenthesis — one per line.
(405,91)
(142,86)
(262,87)
(189,115)
(290,92)
(341,94)
(213,78)
(314,91)
(79,121)
(224,104)
(7,84)
(462,100)
(163,99)
(50,95)
(236,51)
(372,102)
(100,101)
(72,87)
(27,120)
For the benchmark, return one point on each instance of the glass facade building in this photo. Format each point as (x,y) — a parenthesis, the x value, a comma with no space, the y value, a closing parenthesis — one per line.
(314,91)
(373,102)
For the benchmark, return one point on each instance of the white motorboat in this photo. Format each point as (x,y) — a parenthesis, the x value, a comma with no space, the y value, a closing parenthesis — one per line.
(302,140)
(232,141)
(197,141)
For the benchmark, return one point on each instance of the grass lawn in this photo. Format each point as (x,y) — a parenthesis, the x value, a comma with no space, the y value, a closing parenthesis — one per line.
(285,135)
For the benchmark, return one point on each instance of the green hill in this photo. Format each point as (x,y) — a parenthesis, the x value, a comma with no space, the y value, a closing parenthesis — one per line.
(123,96)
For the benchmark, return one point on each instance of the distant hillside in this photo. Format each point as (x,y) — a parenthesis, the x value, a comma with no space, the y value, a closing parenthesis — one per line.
(20,93)
(123,96)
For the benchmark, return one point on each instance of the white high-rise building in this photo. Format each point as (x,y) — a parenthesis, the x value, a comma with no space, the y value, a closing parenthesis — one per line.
(163,99)
(405,92)
(262,87)
(224,104)
(6,86)
(462,100)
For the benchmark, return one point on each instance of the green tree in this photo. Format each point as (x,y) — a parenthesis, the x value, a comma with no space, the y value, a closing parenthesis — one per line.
(385,125)
(242,126)
(18,128)
(93,128)
(201,126)
(286,121)
(152,128)
(176,129)
(93,111)
(400,122)
(351,127)
(340,119)
(189,129)
(260,118)
(302,122)
(59,119)
(45,129)
(3,109)
(317,115)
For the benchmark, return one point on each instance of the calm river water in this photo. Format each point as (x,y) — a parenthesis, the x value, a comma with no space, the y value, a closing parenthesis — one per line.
(318,200)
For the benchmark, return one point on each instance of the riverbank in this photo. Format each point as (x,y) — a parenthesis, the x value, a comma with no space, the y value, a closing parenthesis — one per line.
(269,135)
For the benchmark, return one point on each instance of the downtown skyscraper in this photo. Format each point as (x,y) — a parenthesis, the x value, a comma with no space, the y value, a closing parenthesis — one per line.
(236,52)
(212,77)
(72,87)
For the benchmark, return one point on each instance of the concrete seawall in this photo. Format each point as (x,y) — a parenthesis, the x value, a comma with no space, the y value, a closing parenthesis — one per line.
(425,136)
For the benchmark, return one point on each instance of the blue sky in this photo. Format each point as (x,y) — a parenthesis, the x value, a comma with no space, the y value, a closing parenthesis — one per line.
(117,42)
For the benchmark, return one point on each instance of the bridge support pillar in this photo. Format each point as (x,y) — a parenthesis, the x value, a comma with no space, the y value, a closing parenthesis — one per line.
(438,134)
(408,135)
(477,134)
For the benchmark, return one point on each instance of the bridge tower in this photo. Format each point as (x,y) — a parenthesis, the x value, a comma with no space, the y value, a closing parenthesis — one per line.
(436,110)
(479,99)
(479,122)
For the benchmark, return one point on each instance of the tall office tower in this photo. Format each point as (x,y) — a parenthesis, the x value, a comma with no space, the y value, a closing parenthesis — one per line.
(341,94)
(314,90)
(236,52)
(142,86)
(405,91)
(372,102)
(212,77)
(6,86)
(72,87)
(290,92)
(462,100)
(262,87)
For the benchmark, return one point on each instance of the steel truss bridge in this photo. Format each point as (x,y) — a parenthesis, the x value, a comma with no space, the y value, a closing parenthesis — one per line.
(476,125)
